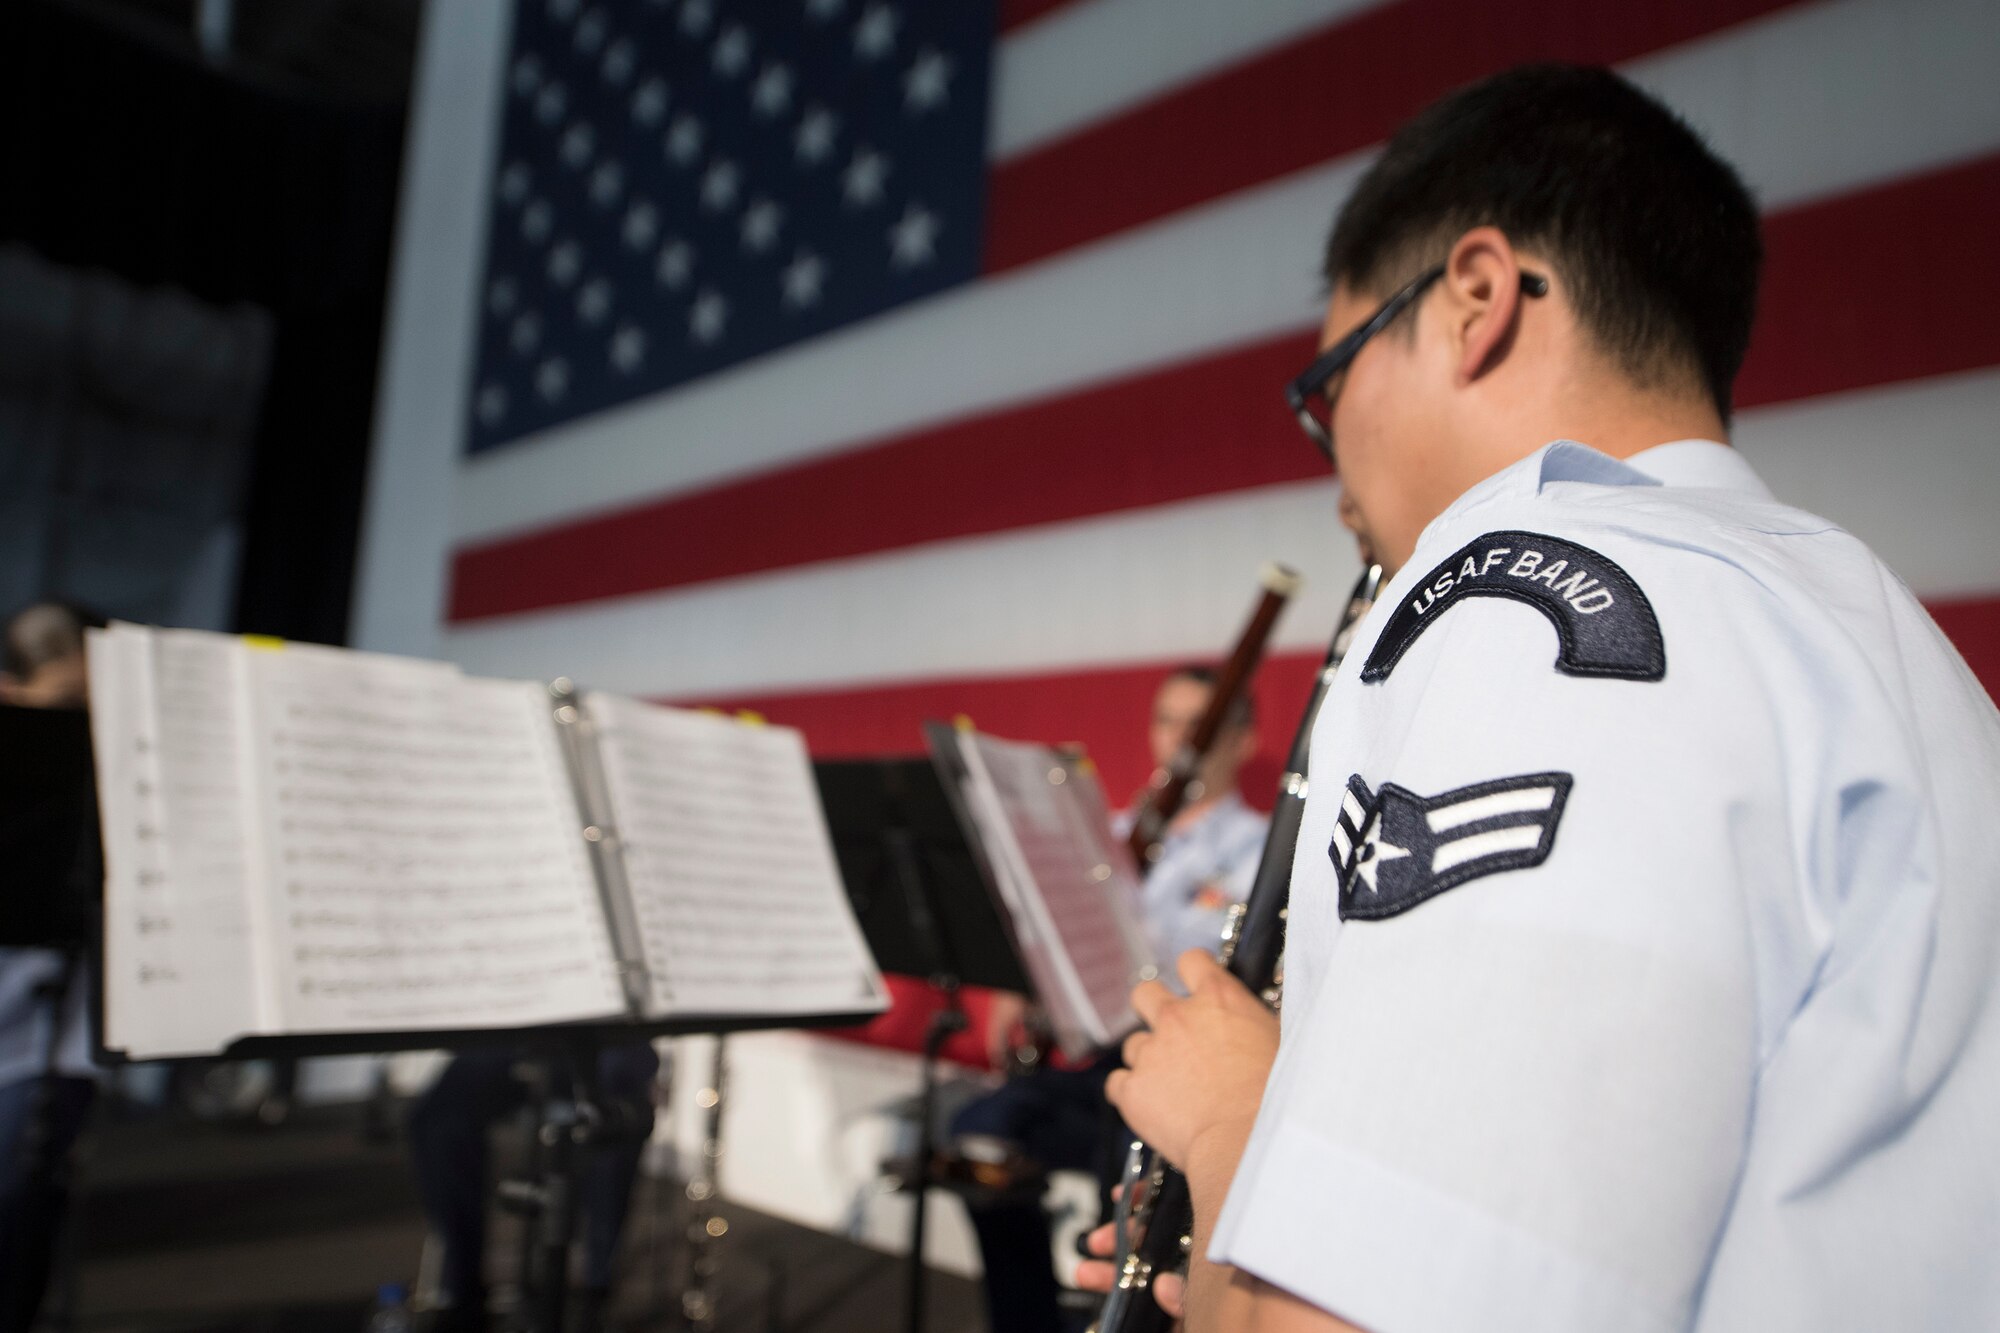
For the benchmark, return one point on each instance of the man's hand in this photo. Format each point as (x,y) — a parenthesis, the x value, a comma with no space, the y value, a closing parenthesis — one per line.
(1169,1289)
(1006,1017)
(1194,1077)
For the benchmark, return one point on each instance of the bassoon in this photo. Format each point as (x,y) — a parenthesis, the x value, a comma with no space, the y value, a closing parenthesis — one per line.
(1155,1214)
(1174,784)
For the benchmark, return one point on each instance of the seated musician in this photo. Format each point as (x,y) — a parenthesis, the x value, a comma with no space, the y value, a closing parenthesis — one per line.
(1058,1117)
(448,1144)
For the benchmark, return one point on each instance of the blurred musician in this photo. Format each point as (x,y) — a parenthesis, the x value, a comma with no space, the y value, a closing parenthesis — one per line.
(1058,1117)
(44,656)
(448,1143)
(47,1080)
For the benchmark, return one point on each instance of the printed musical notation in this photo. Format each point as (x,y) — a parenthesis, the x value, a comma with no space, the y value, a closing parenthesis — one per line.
(422,847)
(1066,885)
(307,840)
(736,893)
(176,826)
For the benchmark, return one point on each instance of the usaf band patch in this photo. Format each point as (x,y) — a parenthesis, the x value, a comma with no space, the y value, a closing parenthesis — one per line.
(1604,623)
(1396,849)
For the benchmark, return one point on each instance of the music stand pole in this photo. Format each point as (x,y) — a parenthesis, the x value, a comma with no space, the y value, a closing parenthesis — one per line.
(566,1126)
(570,1127)
(948,1020)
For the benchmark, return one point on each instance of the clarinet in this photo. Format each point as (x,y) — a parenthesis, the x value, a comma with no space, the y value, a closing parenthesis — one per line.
(1155,1214)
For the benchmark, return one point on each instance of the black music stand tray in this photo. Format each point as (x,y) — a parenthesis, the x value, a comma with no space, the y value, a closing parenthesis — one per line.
(921,893)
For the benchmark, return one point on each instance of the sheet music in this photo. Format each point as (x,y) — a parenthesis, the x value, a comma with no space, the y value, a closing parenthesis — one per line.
(736,892)
(1075,900)
(422,847)
(171,771)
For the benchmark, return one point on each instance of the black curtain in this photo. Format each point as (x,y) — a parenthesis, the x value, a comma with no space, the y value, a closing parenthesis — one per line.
(121,150)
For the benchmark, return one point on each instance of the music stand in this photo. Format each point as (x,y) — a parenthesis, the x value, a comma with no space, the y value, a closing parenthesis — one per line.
(922,898)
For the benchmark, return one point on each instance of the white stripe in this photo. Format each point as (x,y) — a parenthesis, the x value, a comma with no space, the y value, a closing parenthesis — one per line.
(1513,802)
(1818,100)
(1914,467)
(1352,809)
(1342,841)
(1454,854)
(1912,94)
(1082,64)
(1911,469)
(1173,581)
(419,410)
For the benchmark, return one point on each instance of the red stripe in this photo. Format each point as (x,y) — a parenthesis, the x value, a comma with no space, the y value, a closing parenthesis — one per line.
(1019,13)
(1973,624)
(1887,284)
(1105,709)
(1327,94)
(906,1022)
(1217,425)
(1126,446)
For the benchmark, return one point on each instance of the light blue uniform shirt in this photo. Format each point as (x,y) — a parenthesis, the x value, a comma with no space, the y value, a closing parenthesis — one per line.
(1203,869)
(1698,1026)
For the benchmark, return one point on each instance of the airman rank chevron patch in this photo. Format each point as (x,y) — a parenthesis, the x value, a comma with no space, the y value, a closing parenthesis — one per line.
(1604,623)
(1393,850)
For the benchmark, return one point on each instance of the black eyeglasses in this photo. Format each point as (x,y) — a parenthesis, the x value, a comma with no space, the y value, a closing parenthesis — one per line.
(1307,394)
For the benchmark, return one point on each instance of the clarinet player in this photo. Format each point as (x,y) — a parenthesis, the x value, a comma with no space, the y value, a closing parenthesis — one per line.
(1641,957)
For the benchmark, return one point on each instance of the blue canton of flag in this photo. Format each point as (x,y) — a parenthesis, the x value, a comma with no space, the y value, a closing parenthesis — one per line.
(682,184)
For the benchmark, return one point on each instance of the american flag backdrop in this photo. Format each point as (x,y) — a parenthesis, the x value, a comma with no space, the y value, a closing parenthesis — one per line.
(1016,465)
(1015,458)
(869,361)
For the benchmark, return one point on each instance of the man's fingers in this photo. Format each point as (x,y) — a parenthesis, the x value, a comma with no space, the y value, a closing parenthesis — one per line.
(1101,1239)
(1134,1044)
(1095,1275)
(1114,1087)
(1199,969)
(1169,1289)
(1148,998)
(1205,977)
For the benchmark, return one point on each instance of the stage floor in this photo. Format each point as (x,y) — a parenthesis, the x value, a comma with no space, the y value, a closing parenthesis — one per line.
(205,1228)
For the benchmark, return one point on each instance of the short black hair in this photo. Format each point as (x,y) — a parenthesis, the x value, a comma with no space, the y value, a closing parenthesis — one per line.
(1655,236)
(1242,710)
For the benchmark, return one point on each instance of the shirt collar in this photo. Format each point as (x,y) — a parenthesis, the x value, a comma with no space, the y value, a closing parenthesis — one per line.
(1700,465)
(1694,464)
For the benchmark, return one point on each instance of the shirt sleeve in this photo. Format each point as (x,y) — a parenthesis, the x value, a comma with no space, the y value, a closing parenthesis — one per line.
(1520,1103)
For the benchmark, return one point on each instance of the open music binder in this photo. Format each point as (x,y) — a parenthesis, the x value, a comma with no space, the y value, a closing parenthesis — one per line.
(1066,889)
(303,840)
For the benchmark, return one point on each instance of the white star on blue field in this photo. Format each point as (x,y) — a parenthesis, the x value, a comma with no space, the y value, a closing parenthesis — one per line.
(682,184)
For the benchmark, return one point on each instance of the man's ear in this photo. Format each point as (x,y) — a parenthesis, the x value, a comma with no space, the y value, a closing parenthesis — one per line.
(1482,282)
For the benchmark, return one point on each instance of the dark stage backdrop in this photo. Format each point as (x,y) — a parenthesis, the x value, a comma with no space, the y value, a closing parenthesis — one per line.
(121,151)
